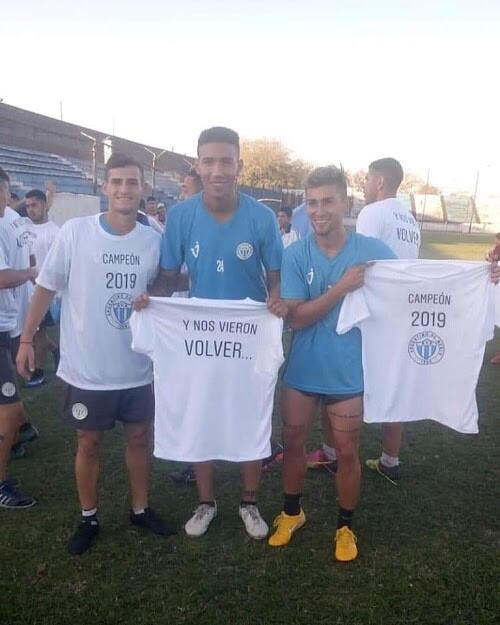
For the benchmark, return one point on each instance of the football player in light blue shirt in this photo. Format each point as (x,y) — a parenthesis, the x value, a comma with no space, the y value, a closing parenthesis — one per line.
(227,259)
(232,247)
(322,366)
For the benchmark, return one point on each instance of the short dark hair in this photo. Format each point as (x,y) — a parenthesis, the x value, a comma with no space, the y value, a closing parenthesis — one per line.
(285,209)
(37,194)
(4,176)
(391,170)
(117,160)
(219,134)
(192,173)
(323,176)
(151,198)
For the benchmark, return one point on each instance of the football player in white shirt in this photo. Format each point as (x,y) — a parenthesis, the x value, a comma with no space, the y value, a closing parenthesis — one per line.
(44,233)
(386,218)
(288,234)
(100,263)
(15,270)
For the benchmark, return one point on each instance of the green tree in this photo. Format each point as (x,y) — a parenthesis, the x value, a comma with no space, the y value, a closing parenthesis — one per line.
(268,163)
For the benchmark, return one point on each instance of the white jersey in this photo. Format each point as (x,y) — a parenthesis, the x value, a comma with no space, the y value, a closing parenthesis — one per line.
(392,223)
(44,236)
(216,365)
(16,248)
(424,326)
(98,276)
(290,237)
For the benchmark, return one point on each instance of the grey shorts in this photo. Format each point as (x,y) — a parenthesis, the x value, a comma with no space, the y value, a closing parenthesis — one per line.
(99,410)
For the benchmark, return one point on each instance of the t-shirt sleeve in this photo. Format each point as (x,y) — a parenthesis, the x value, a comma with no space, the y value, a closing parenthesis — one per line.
(172,245)
(54,274)
(293,280)
(272,245)
(352,312)
(369,223)
(142,327)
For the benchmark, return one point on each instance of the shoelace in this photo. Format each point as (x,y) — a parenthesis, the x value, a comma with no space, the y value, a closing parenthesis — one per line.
(277,520)
(253,512)
(201,511)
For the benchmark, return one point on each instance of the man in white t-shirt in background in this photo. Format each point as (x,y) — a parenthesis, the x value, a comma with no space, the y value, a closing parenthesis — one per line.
(43,233)
(386,218)
(100,264)
(288,234)
(15,270)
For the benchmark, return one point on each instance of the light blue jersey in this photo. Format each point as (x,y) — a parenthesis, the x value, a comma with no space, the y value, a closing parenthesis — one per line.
(224,260)
(320,360)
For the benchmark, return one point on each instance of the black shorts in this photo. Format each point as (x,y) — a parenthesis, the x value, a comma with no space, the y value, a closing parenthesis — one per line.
(8,389)
(47,321)
(328,400)
(99,410)
(14,347)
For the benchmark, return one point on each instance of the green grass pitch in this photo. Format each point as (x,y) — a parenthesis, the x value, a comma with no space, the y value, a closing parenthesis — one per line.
(429,549)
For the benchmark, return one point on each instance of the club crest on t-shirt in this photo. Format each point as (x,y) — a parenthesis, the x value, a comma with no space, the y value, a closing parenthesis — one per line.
(195,250)
(426,348)
(118,310)
(244,251)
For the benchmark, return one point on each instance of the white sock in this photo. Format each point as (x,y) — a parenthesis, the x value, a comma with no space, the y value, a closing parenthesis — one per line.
(329,452)
(88,514)
(138,510)
(389,461)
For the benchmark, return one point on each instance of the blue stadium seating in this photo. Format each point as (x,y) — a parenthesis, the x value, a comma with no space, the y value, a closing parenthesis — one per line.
(29,169)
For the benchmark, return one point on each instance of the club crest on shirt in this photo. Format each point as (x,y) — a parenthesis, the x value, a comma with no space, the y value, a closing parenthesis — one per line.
(195,250)
(310,276)
(118,310)
(426,348)
(79,411)
(244,251)
(8,389)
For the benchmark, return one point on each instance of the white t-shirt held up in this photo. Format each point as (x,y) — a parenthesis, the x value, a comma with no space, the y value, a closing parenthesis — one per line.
(216,365)
(424,326)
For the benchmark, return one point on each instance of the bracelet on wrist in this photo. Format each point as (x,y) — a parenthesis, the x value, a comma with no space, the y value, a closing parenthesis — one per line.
(27,342)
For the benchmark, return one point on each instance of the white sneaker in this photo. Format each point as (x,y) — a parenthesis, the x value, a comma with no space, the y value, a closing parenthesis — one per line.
(255,525)
(201,519)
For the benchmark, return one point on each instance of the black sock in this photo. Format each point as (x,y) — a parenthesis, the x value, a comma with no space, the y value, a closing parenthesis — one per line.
(345,518)
(292,504)
(207,503)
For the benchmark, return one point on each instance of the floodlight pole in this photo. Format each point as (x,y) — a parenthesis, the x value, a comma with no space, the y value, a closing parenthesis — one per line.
(473,201)
(94,160)
(425,198)
(153,169)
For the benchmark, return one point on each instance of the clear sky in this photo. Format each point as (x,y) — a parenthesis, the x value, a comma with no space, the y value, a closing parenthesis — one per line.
(334,80)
